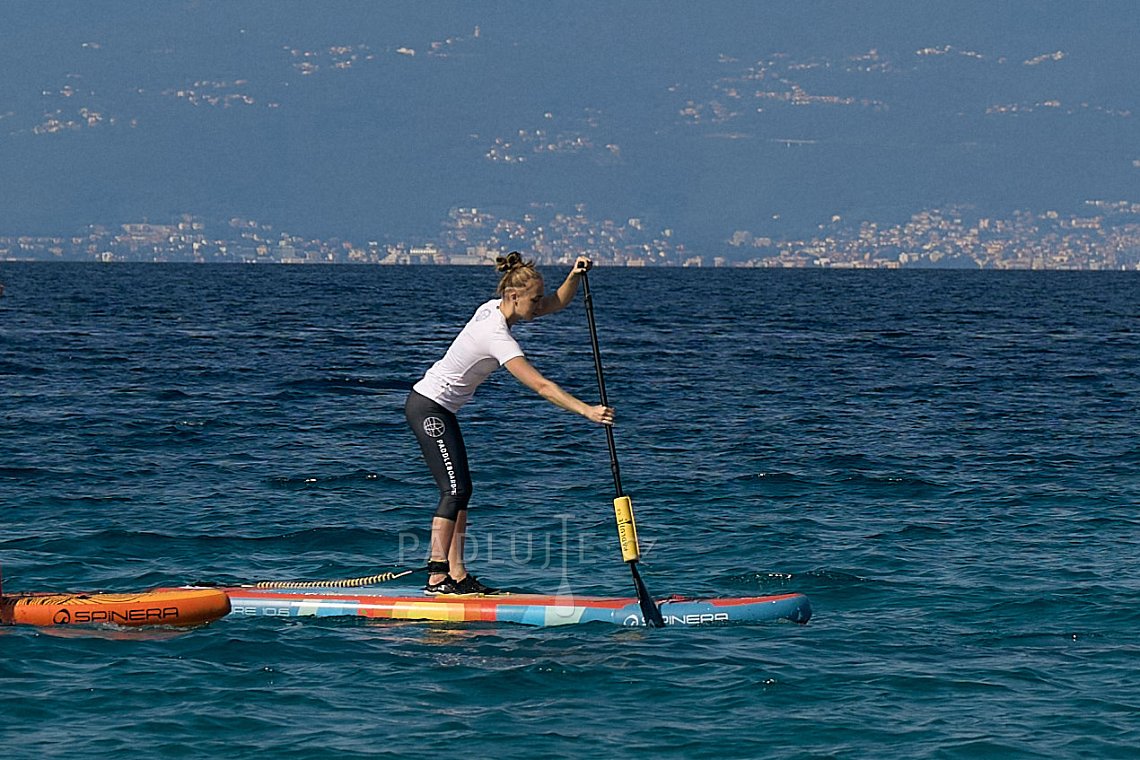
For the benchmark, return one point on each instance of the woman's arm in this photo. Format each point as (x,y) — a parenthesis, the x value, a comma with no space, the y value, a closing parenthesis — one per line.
(561,298)
(526,374)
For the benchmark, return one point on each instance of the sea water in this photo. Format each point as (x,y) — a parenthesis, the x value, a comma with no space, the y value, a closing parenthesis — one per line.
(946,463)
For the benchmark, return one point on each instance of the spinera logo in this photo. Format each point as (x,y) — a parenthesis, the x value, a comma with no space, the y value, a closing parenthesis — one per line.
(434,427)
(63,617)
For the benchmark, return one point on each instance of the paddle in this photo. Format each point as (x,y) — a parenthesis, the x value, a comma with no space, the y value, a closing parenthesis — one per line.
(623,507)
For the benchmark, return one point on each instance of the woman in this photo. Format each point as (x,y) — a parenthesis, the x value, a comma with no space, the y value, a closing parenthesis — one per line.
(484,345)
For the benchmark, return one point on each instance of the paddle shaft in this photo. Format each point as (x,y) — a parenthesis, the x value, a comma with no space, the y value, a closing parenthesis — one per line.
(601,383)
(649,609)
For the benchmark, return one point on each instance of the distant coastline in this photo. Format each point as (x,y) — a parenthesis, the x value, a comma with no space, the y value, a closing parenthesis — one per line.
(1106,237)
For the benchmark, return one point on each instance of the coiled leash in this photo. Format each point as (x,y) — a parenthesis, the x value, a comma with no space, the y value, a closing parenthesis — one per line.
(370,580)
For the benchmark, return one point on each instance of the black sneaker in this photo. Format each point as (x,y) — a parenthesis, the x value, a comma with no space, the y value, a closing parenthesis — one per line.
(471,585)
(446,586)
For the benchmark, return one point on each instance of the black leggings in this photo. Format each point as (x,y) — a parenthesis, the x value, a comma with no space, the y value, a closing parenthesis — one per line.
(441,441)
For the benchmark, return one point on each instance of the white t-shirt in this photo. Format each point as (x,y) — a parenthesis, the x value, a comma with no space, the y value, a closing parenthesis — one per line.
(483,346)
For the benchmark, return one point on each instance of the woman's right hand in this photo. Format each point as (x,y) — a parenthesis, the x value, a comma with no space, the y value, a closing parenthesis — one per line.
(601,414)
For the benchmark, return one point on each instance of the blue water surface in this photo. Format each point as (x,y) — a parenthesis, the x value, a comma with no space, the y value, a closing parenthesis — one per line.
(945,462)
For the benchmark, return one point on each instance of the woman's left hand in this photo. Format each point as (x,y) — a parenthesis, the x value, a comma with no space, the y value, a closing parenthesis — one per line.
(582,264)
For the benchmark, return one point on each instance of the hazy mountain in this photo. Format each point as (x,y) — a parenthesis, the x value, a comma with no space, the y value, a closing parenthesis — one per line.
(374,119)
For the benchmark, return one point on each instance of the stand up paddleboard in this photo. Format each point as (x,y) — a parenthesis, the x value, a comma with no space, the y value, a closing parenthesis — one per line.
(161,606)
(525,609)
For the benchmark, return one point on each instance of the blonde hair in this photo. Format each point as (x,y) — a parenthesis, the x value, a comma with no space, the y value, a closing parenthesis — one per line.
(517,274)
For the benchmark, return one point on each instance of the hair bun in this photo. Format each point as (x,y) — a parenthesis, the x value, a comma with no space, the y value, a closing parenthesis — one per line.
(510,262)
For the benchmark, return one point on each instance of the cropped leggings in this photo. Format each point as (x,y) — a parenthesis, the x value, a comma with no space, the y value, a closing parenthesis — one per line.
(441,441)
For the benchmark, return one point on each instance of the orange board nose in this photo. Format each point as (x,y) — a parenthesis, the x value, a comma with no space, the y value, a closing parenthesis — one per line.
(163,606)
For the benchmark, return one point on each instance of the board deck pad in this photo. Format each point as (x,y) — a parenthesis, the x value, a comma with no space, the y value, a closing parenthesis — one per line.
(525,609)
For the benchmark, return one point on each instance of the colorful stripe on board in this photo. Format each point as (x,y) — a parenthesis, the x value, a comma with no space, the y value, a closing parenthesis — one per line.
(524,609)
